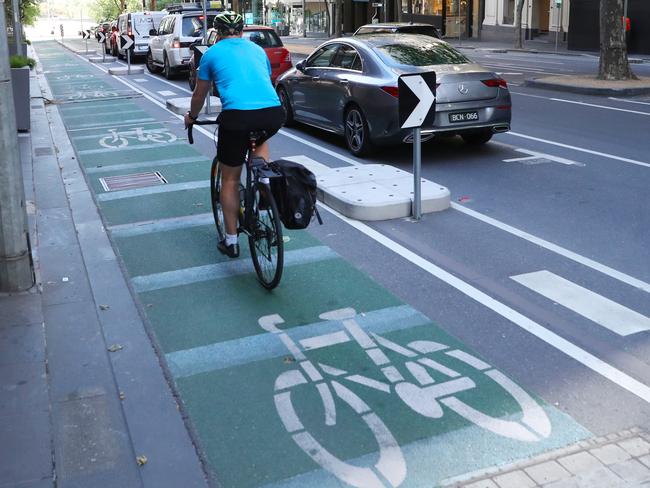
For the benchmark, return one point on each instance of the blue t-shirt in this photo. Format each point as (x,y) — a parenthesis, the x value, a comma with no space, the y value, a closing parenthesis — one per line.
(242,72)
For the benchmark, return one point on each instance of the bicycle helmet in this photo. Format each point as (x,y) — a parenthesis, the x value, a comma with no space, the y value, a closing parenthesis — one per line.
(228,23)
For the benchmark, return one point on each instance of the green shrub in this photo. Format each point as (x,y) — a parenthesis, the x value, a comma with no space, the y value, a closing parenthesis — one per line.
(21,61)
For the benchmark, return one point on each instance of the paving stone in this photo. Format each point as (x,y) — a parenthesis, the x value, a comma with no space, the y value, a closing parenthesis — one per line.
(20,309)
(514,479)
(25,453)
(580,462)
(645,460)
(567,483)
(547,472)
(636,446)
(23,386)
(482,484)
(631,470)
(600,478)
(610,454)
(22,343)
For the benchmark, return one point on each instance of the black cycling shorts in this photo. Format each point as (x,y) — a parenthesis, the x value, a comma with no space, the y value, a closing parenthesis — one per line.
(235,127)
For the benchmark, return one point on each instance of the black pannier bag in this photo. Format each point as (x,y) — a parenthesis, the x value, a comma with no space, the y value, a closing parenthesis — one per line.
(295,194)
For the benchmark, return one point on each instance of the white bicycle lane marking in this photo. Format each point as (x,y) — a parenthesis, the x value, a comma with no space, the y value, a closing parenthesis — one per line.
(424,396)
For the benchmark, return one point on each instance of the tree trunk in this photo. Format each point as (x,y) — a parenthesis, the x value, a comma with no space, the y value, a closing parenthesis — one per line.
(613,50)
(481,17)
(519,35)
(328,19)
(337,18)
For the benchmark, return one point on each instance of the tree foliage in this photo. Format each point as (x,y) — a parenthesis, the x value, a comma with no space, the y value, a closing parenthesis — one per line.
(110,9)
(29,11)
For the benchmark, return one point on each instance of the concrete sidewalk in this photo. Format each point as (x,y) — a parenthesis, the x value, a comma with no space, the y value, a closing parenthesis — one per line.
(85,401)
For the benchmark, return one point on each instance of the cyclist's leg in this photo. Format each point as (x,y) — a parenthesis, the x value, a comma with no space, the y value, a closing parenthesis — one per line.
(263,151)
(230,177)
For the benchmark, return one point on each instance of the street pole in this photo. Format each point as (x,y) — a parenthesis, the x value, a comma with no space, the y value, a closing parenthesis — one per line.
(557,24)
(417,181)
(304,25)
(15,263)
(625,22)
(459,23)
(18,28)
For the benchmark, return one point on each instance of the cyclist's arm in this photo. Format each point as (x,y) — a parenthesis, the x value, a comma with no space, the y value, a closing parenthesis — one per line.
(198,98)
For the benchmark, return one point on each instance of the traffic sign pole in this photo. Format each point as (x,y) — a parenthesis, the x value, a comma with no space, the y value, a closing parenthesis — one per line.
(128,61)
(205,41)
(417,181)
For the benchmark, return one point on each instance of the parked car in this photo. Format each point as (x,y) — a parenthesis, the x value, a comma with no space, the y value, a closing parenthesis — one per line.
(349,86)
(263,36)
(169,46)
(137,25)
(399,28)
(111,39)
(102,27)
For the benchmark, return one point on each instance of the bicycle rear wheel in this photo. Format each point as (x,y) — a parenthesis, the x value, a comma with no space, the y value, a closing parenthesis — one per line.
(265,241)
(215,196)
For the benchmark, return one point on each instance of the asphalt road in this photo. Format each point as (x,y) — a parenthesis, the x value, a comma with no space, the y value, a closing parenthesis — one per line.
(541,266)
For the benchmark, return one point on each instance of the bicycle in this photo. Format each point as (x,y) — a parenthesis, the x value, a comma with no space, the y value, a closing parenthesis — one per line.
(259,217)
(424,395)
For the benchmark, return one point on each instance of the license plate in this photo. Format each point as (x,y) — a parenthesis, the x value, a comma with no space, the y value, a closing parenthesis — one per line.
(463,117)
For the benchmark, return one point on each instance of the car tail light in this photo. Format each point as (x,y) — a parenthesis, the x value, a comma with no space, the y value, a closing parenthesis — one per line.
(495,83)
(504,107)
(176,43)
(393,91)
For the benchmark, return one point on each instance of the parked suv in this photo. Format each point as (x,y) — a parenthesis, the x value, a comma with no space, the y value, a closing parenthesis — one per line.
(137,25)
(169,46)
(266,38)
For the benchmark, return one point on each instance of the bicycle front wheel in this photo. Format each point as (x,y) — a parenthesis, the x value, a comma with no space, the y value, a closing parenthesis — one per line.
(265,240)
(215,197)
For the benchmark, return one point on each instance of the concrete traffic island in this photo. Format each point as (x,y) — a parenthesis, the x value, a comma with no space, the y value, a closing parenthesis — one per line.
(122,70)
(182,105)
(83,52)
(101,59)
(373,191)
(590,85)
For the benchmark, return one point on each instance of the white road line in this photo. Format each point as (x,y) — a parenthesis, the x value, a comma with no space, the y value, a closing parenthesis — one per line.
(162,80)
(128,123)
(580,355)
(535,154)
(595,307)
(590,263)
(580,149)
(166,93)
(600,106)
(629,101)
(141,80)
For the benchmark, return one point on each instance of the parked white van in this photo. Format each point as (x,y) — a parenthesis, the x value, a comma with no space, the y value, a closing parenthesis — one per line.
(137,26)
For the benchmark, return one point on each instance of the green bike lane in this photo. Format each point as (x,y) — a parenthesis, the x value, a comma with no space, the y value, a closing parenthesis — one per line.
(329,380)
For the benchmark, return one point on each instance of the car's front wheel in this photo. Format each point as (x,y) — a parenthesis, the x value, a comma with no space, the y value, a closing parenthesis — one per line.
(357,134)
(286,105)
(150,64)
(477,137)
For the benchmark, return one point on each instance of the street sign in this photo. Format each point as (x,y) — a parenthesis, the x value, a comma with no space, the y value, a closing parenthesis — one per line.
(126,42)
(102,38)
(417,96)
(85,34)
(417,107)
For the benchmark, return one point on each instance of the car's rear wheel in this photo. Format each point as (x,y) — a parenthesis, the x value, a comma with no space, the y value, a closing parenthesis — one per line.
(357,134)
(150,64)
(167,69)
(286,105)
(477,137)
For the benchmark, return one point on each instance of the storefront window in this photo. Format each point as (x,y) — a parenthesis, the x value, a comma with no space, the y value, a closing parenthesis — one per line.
(509,12)
(316,17)
(456,18)
(424,7)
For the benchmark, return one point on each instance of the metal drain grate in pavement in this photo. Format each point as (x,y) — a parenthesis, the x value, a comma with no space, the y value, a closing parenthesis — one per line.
(136,180)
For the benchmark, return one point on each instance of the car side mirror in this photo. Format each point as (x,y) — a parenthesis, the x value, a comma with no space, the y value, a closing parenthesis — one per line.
(301,65)
(153,32)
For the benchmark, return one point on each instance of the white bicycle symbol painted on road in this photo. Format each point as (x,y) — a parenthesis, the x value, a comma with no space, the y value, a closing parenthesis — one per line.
(117,139)
(83,95)
(424,396)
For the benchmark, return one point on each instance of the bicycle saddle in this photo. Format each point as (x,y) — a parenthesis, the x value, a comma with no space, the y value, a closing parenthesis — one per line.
(256,135)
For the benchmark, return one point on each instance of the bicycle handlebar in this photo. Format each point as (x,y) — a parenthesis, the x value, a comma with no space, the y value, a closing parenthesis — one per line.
(190,137)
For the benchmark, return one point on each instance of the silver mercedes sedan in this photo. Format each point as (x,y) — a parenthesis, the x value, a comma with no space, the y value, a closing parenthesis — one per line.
(349,86)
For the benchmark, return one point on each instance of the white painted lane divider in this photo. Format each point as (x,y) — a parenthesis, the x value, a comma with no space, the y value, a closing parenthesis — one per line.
(166,93)
(629,101)
(575,352)
(538,155)
(576,148)
(595,307)
(575,102)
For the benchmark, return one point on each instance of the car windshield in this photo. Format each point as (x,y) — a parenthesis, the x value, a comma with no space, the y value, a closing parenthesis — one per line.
(419,52)
(263,38)
(193,26)
(418,29)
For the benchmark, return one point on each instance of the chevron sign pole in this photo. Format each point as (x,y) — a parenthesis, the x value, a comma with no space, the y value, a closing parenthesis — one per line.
(417,107)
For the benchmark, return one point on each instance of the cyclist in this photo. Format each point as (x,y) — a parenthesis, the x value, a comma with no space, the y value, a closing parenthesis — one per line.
(242,73)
